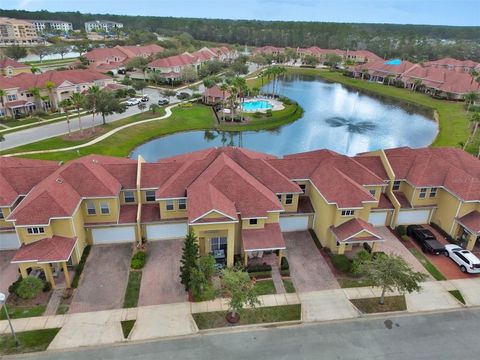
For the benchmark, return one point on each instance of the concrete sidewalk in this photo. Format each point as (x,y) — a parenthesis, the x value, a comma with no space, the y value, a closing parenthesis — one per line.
(168,320)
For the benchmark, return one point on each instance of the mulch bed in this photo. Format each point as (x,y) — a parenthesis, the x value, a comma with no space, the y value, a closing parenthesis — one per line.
(87,134)
(41,299)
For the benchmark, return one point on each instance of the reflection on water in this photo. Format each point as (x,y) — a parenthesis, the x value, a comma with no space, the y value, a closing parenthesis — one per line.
(335,118)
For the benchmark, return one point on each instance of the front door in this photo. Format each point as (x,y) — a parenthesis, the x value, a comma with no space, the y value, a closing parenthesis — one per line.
(218,248)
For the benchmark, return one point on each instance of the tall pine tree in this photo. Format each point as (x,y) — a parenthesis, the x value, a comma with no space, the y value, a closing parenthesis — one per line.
(189,259)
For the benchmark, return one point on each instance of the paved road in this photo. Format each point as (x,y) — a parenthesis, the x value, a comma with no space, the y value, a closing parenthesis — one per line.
(450,335)
(38,133)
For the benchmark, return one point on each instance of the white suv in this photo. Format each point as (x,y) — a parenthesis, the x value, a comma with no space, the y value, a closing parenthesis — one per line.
(468,262)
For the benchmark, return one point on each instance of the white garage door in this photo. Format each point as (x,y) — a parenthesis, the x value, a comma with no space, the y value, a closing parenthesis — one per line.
(113,235)
(407,217)
(294,223)
(166,231)
(378,218)
(9,241)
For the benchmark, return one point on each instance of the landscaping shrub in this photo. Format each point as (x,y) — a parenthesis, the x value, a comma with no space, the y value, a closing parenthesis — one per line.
(80,266)
(260,275)
(401,230)
(12,289)
(405,238)
(341,263)
(46,286)
(285,272)
(269,113)
(257,114)
(138,260)
(29,288)
(259,268)
(284,264)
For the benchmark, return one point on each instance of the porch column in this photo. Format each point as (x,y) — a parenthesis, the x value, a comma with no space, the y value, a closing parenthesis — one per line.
(245,258)
(23,271)
(47,269)
(66,274)
(472,238)
(230,246)
(280,256)
(341,248)
(374,247)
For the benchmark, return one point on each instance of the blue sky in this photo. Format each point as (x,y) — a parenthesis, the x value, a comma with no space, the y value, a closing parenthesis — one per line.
(442,12)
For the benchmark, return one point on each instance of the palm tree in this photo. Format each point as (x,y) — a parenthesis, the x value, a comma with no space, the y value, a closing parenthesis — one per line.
(475,119)
(37,96)
(78,102)
(35,70)
(49,85)
(241,88)
(66,105)
(470,98)
(224,87)
(417,84)
(93,93)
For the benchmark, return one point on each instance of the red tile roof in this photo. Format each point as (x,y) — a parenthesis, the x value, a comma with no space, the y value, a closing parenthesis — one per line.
(471,221)
(7,62)
(18,176)
(268,238)
(450,62)
(215,92)
(452,168)
(384,203)
(25,81)
(128,214)
(348,231)
(269,50)
(54,249)
(173,61)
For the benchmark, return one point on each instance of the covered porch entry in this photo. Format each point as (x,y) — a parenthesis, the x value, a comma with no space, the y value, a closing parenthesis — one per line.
(217,240)
(49,255)
(263,244)
(469,230)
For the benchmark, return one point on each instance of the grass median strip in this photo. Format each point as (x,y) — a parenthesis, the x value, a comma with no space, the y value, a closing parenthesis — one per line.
(288,285)
(372,305)
(428,265)
(30,341)
(133,289)
(457,295)
(127,326)
(263,315)
(265,287)
(19,312)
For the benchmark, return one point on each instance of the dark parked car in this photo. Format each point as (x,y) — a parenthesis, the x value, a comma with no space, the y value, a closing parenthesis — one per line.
(183,96)
(163,101)
(426,239)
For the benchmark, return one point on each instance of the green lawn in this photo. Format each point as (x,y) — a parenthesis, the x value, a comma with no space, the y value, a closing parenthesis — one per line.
(428,265)
(216,319)
(265,287)
(351,282)
(127,326)
(288,285)
(372,305)
(19,312)
(51,62)
(30,341)
(457,295)
(133,289)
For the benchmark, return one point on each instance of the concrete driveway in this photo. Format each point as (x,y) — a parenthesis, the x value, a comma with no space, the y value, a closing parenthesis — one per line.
(308,268)
(161,274)
(104,279)
(392,245)
(8,272)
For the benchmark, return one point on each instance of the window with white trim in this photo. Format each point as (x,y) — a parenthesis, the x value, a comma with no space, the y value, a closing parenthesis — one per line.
(35,230)
(182,204)
(253,221)
(129,196)
(396,185)
(104,209)
(150,195)
(423,193)
(348,212)
(217,242)
(373,192)
(1,214)
(433,192)
(279,196)
(289,199)
(91,210)
(12,97)
(169,205)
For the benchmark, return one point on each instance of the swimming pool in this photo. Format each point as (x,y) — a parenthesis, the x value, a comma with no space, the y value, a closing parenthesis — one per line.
(256,105)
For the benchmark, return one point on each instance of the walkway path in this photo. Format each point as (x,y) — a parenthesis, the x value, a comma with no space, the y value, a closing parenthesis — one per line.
(104,327)
(277,280)
(54,301)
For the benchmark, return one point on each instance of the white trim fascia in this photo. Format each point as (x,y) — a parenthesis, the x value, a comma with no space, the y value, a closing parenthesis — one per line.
(265,249)
(172,198)
(213,222)
(257,217)
(209,212)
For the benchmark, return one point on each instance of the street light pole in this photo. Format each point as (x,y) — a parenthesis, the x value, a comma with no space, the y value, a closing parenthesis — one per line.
(3,302)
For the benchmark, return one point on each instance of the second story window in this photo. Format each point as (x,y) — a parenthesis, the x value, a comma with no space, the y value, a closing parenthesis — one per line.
(104,209)
(423,193)
(169,205)
(1,214)
(396,185)
(289,199)
(433,192)
(91,208)
(129,196)
(35,230)
(11,97)
(150,195)
(279,196)
(253,221)
(182,204)
(373,192)
(348,212)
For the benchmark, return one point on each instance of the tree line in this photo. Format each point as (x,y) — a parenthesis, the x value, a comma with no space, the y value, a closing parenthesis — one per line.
(415,42)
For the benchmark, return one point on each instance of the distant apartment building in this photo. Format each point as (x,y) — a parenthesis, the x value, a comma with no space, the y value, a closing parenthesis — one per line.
(51,25)
(104,25)
(17,32)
